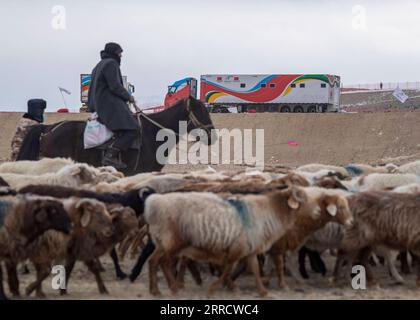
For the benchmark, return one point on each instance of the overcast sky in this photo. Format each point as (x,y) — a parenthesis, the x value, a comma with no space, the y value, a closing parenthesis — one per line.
(167,40)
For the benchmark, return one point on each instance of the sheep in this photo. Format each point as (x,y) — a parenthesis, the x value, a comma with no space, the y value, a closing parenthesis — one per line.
(333,207)
(22,220)
(408,188)
(3,183)
(90,219)
(204,226)
(133,199)
(411,167)
(330,238)
(40,167)
(315,167)
(364,169)
(84,244)
(381,218)
(378,181)
(71,176)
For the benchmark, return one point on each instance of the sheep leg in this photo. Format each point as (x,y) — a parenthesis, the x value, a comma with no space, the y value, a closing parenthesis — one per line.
(253,263)
(339,262)
(94,267)
(42,272)
(240,268)
(364,256)
(167,272)
(218,283)
(119,273)
(12,278)
(390,258)
(146,252)
(291,265)
(317,264)
(192,266)
(2,294)
(153,268)
(405,266)
(180,276)
(301,259)
(278,260)
(70,262)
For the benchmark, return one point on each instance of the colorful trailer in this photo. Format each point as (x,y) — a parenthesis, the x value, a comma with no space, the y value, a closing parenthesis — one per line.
(271,93)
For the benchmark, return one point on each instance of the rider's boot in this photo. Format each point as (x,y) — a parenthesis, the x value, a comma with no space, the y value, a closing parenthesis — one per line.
(112,158)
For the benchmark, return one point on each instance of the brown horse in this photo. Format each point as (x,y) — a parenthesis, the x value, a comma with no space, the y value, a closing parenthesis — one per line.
(65,139)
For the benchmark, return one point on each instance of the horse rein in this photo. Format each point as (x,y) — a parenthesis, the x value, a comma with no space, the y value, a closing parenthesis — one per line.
(191,119)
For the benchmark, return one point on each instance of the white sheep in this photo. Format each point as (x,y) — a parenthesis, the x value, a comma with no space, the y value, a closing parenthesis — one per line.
(70,176)
(408,188)
(40,167)
(204,226)
(382,181)
(411,167)
(315,167)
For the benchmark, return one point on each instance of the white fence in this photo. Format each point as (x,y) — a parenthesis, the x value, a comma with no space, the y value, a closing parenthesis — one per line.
(385,86)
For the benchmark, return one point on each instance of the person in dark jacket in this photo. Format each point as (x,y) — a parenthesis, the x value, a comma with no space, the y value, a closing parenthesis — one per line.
(108,97)
(34,116)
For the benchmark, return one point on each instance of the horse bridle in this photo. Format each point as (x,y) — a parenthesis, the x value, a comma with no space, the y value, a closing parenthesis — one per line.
(191,119)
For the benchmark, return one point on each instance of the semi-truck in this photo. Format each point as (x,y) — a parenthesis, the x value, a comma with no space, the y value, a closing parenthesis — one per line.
(260,92)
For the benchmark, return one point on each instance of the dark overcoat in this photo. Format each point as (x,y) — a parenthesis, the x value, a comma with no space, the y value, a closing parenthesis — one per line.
(108,97)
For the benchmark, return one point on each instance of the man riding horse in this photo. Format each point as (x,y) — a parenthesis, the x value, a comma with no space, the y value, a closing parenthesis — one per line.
(108,97)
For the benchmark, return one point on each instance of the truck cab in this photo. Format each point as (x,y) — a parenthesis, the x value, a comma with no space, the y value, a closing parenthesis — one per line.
(180,90)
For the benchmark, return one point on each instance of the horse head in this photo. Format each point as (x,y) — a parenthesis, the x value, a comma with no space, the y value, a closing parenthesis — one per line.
(199,120)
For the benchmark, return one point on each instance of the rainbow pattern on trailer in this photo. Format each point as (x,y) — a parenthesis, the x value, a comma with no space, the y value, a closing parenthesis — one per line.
(268,88)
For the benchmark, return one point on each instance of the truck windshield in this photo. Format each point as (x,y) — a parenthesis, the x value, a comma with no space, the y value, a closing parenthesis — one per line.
(172,89)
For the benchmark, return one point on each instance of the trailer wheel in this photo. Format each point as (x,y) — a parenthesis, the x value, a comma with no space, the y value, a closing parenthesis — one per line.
(285,109)
(298,109)
(312,109)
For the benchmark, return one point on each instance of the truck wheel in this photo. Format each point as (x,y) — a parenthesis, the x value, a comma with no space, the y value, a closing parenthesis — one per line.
(298,109)
(285,109)
(312,109)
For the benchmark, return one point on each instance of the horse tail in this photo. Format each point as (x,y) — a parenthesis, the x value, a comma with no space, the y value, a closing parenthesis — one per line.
(31,144)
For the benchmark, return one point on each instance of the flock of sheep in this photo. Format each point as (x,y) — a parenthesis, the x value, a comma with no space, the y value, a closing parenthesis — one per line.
(55,211)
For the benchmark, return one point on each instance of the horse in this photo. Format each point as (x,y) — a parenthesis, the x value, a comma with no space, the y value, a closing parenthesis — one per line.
(65,139)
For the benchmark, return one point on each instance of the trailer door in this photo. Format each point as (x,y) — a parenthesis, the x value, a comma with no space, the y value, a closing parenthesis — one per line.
(193,88)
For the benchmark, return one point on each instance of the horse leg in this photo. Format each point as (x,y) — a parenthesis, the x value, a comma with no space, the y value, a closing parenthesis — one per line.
(119,273)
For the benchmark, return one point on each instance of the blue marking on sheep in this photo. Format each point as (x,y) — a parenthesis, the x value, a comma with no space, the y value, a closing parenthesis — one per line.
(353,170)
(3,211)
(242,210)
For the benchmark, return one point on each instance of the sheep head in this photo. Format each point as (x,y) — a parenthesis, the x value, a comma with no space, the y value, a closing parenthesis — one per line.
(93,216)
(42,215)
(123,218)
(337,207)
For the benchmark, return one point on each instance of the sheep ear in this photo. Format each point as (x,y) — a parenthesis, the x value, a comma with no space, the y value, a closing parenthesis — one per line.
(332,209)
(145,192)
(293,203)
(85,220)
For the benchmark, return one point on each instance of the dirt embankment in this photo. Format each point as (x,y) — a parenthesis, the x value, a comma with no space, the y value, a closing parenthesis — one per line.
(326,138)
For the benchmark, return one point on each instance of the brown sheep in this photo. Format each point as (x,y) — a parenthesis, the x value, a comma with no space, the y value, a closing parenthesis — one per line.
(22,220)
(381,218)
(90,219)
(83,245)
(334,207)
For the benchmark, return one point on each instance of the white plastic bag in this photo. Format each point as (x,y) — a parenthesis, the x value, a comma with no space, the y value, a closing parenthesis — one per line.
(95,133)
